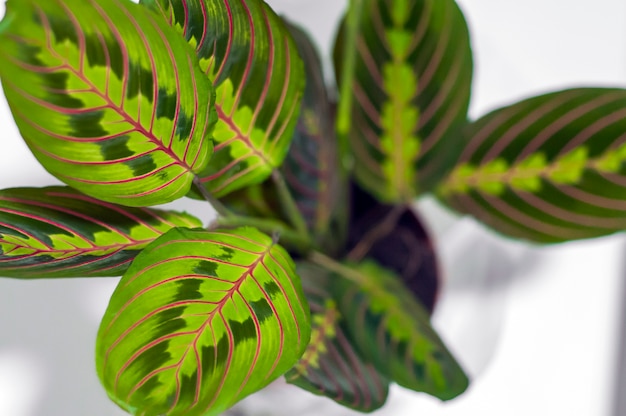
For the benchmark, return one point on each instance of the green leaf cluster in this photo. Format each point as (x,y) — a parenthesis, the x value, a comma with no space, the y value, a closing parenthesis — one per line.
(316,268)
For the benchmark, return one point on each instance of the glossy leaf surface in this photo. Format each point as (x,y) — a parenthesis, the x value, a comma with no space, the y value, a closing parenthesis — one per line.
(410,94)
(397,239)
(59,232)
(393,331)
(108,97)
(200,320)
(547,169)
(248,54)
(312,168)
(331,366)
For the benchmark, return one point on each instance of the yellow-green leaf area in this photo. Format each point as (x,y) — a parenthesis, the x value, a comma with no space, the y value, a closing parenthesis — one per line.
(323,331)
(611,161)
(399,140)
(569,168)
(526,176)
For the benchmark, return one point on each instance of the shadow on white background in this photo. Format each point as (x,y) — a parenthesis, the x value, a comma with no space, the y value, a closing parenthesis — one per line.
(537,328)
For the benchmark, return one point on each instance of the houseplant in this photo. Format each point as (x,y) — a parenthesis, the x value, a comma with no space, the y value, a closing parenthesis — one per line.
(493,175)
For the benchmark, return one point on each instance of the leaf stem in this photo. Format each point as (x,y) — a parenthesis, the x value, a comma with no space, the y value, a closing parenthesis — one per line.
(285,234)
(208,196)
(334,266)
(289,204)
(344,110)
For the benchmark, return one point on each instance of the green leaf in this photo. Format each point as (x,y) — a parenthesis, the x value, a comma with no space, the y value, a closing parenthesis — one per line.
(200,320)
(393,330)
(547,169)
(312,168)
(410,94)
(331,366)
(248,54)
(108,97)
(59,232)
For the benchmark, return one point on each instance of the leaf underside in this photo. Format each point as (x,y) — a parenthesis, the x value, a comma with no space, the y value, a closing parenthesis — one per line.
(59,232)
(547,169)
(410,94)
(200,320)
(248,54)
(393,331)
(331,366)
(396,238)
(108,97)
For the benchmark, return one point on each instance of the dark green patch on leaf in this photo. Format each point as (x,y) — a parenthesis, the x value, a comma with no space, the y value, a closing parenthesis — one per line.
(188,289)
(262,310)
(116,148)
(242,331)
(206,268)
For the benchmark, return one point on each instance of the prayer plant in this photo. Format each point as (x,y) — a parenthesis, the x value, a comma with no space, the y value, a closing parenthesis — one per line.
(316,267)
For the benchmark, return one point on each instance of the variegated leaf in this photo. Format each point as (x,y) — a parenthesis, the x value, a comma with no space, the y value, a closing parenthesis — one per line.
(200,320)
(331,366)
(410,94)
(393,331)
(547,169)
(248,54)
(108,97)
(312,169)
(59,232)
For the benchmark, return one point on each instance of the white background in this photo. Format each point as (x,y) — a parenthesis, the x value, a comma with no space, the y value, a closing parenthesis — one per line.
(537,328)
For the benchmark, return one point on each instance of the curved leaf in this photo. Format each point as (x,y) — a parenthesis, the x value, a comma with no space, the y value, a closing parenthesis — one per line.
(108,97)
(59,232)
(547,169)
(331,366)
(411,94)
(200,320)
(312,169)
(396,238)
(393,331)
(247,52)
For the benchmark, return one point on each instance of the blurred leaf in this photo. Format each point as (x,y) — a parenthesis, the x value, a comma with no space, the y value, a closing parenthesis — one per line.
(331,366)
(392,329)
(248,54)
(397,239)
(259,201)
(199,321)
(547,169)
(312,168)
(411,94)
(109,98)
(59,232)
